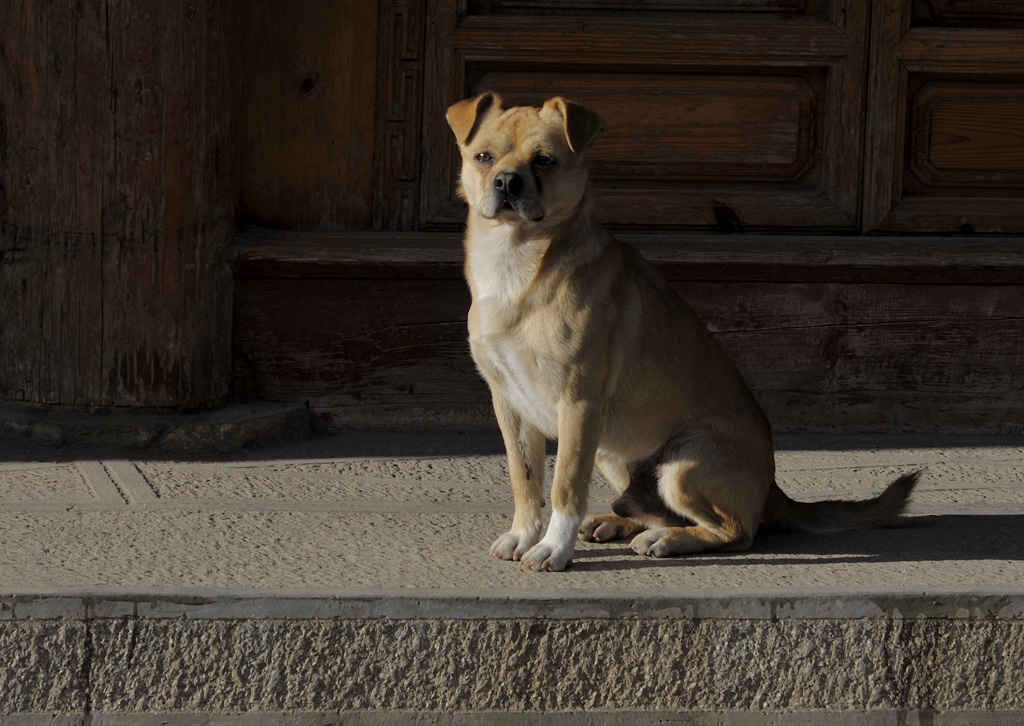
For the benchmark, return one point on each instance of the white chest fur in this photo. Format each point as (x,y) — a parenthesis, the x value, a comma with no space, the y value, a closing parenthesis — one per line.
(500,267)
(500,273)
(521,378)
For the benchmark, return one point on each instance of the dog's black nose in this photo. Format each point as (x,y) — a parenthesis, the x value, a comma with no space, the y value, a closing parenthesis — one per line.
(509,182)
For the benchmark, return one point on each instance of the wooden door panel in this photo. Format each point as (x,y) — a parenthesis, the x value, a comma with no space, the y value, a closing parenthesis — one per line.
(945,135)
(309,113)
(969,136)
(818,355)
(712,119)
(688,128)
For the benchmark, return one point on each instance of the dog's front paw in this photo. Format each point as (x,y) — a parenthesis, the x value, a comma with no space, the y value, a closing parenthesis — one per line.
(546,556)
(513,545)
(554,552)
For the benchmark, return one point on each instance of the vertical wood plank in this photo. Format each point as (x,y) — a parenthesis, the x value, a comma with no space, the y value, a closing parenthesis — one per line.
(444,77)
(120,135)
(846,93)
(167,324)
(56,141)
(885,132)
(310,93)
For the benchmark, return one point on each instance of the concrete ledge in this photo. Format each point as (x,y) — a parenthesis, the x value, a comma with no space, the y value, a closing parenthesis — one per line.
(894,657)
(231,427)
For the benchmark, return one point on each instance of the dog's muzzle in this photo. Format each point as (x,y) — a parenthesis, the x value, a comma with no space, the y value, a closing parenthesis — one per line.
(509,192)
(509,183)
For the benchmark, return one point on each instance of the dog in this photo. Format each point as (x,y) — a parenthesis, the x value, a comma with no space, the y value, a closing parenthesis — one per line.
(581,340)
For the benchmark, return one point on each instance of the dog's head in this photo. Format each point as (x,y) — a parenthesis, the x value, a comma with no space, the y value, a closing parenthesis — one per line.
(523,165)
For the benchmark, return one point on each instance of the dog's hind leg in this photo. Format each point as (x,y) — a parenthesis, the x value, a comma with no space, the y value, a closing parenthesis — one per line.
(637,508)
(608,527)
(614,470)
(723,503)
(667,541)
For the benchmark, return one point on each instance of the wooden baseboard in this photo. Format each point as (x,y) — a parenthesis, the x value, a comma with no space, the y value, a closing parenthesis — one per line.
(843,334)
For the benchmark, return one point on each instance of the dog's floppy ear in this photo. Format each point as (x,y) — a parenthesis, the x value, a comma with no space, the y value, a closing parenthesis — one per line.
(466,116)
(581,124)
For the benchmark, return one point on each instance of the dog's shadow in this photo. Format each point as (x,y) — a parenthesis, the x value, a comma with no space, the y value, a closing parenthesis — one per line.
(935,538)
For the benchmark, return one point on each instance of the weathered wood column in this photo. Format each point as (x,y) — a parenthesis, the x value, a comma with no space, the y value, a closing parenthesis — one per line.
(119,192)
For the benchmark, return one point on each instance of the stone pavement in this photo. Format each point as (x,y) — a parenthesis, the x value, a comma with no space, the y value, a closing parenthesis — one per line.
(349,575)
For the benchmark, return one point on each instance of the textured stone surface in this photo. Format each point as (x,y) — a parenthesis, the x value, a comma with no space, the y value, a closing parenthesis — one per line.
(174,665)
(579,718)
(193,482)
(41,482)
(405,512)
(890,666)
(43,666)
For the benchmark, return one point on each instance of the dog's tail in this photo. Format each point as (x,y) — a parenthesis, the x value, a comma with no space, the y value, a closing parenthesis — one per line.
(885,510)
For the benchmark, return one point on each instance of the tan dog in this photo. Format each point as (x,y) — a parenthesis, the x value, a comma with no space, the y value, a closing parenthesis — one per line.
(582,341)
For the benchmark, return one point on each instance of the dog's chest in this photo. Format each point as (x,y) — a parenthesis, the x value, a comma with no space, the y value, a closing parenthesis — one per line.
(511,353)
(525,380)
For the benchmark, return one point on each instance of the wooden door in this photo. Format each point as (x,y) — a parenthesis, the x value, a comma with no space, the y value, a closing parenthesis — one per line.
(803,171)
(728,114)
(946,117)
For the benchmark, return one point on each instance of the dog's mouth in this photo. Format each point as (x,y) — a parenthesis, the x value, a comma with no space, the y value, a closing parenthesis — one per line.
(523,207)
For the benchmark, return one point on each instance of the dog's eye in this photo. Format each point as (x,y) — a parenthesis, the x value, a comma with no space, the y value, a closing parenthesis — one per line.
(485,158)
(543,160)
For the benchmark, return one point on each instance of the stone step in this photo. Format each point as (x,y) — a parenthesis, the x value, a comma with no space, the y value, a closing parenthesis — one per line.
(346,580)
